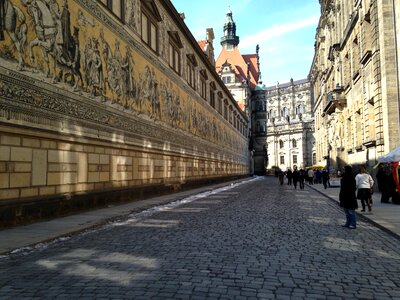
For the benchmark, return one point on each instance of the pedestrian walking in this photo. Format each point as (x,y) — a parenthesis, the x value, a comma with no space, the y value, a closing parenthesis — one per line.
(310,174)
(281,176)
(317,176)
(302,177)
(295,176)
(347,197)
(325,178)
(289,176)
(364,183)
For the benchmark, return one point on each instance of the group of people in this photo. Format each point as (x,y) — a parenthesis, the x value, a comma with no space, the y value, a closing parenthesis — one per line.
(352,187)
(349,184)
(293,177)
(299,176)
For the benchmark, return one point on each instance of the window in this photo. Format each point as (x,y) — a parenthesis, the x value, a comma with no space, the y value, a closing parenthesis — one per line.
(227,79)
(300,109)
(294,143)
(175,45)
(212,94)
(212,97)
(282,159)
(149,28)
(117,7)
(226,109)
(284,112)
(294,159)
(220,105)
(191,66)
(280,144)
(203,84)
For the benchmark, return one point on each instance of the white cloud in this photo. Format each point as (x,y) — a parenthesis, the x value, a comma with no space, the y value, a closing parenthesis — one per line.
(276,31)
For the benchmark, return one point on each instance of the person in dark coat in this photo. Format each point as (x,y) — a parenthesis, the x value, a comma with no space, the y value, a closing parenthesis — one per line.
(381,177)
(295,176)
(289,176)
(347,197)
(302,177)
(325,178)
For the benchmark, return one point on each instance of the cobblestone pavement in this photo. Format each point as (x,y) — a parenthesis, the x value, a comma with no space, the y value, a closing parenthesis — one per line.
(255,241)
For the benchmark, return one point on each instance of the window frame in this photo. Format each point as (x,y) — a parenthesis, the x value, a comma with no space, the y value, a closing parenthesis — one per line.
(191,66)
(174,52)
(150,35)
(108,4)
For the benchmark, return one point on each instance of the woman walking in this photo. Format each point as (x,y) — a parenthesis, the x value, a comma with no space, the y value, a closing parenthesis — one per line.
(364,184)
(347,197)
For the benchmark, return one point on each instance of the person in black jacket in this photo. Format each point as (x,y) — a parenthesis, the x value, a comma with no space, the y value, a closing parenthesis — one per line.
(347,197)
(295,176)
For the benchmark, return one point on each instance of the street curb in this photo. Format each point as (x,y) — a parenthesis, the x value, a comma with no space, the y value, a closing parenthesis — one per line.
(361,216)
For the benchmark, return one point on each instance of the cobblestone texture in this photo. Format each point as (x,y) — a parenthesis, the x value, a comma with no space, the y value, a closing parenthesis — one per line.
(255,241)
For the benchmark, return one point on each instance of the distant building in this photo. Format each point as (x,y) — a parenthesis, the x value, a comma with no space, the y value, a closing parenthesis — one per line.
(288,124)
(240,73)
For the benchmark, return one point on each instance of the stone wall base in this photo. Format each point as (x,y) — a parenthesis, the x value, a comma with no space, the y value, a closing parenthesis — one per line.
(24,211)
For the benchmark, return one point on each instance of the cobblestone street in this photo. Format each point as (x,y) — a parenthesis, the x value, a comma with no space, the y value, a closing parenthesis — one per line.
(257,240)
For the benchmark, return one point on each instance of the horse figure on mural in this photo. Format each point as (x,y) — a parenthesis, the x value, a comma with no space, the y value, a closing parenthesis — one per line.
(12,21)
(53,36)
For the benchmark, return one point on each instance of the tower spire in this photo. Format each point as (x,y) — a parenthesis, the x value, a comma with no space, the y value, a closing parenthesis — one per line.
(230,40)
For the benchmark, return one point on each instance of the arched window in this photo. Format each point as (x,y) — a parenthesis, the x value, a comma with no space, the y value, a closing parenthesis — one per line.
(284,112)
(300,109)
(294,143)
(280,144)
(271,113)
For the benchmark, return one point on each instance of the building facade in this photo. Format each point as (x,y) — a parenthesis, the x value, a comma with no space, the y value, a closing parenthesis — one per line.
(286,117)
(356,81)
(107,101)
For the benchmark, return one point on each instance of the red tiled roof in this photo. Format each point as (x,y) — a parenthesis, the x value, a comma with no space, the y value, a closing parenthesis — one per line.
(202,44)
(239,64)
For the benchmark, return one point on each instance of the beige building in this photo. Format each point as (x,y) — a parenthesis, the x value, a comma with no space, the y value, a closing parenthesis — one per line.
(288,123)
(105,101)
(356,81)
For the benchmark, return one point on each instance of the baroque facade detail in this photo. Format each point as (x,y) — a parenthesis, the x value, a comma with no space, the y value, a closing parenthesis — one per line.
(283,120)
(355,76)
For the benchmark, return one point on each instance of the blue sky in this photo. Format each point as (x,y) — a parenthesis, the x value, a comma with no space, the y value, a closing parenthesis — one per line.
(284,29)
